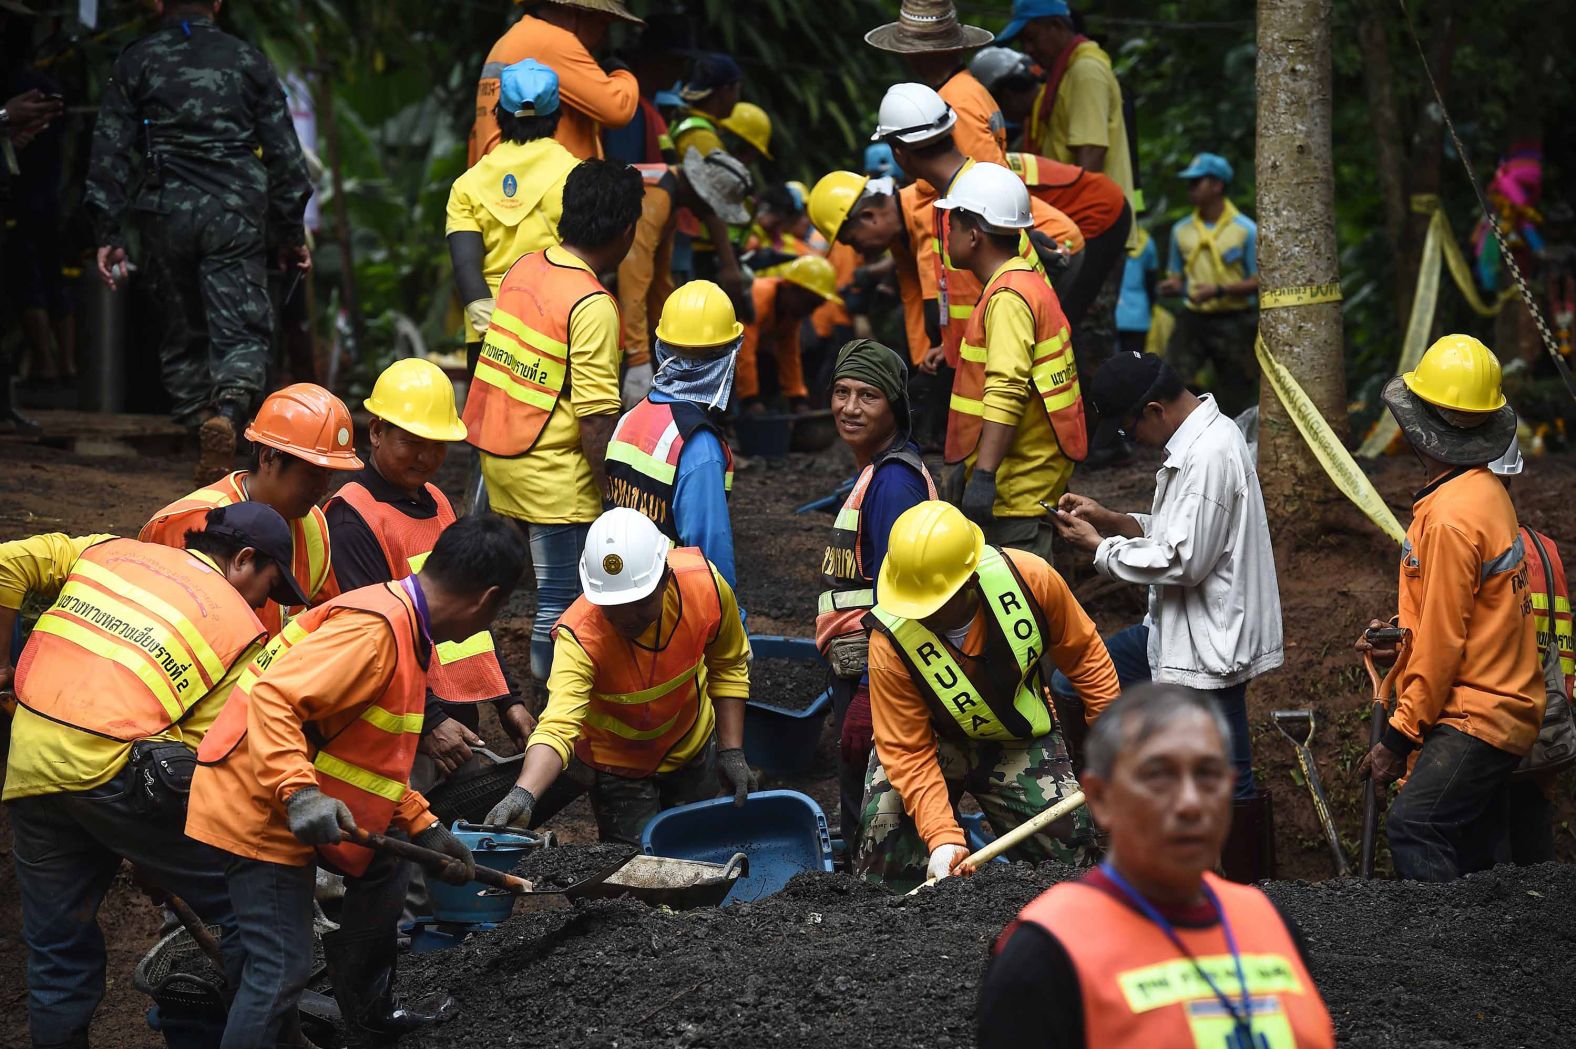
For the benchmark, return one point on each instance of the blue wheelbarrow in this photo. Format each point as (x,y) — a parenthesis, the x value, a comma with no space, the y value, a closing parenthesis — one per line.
(781,832)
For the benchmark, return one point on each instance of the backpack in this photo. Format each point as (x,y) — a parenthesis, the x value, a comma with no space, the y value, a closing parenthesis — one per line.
(1555,747)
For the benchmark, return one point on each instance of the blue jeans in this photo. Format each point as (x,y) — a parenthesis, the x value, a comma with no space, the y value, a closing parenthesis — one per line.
(555,557)
(67,848)
(1129,648)
(1451,816)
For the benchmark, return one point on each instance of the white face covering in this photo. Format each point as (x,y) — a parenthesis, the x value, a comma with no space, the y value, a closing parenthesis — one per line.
(708,381)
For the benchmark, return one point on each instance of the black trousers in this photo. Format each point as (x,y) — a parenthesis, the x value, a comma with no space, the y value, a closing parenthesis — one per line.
(1449,819)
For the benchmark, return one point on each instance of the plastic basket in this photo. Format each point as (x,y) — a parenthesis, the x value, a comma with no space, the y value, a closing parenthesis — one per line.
(781,832)
(779,741)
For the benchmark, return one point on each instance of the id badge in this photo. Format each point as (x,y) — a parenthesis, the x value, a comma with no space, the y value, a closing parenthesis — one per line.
(1214,1028)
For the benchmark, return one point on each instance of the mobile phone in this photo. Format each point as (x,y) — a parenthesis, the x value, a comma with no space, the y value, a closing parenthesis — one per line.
(1049,507)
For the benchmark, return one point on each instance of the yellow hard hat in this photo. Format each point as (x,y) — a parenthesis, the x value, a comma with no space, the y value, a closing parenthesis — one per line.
(933,550)
(697,316)
(750,122)
(813,273)
(416,396)
(833,198)
(1460,373)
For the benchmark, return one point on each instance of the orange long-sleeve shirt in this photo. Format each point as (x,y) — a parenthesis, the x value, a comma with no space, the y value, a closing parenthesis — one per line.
(329,678)
(904,735)
(1473,663)
(590,96)
(645,277)
(981,130)
(772,334)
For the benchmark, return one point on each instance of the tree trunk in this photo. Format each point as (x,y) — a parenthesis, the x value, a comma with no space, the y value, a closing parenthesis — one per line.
(1296,216)
(1373,40)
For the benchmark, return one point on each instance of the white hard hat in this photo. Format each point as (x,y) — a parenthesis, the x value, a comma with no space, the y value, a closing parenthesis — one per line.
(1509,462)
(990,64)
(993,193)
(624,559)
(913,114)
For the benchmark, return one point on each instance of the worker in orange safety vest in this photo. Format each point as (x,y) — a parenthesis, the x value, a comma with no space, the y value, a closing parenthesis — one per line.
(783,299)
(302,434)
(317,741)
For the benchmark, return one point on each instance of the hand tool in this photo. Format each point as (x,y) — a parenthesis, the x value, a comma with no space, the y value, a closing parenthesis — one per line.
(974,860)
(1377,716)
(1298,726)
(436,861)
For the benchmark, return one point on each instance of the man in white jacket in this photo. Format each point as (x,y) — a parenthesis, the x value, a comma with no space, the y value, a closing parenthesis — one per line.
(1203,550)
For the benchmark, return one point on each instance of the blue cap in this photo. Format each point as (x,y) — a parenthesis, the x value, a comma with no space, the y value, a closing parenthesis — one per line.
(712,70)
(528,89)
(1026,11)
(1208,165)
(880,163)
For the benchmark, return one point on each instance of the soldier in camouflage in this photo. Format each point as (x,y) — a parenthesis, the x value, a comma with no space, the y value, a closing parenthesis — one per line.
(960,636)
(194,145)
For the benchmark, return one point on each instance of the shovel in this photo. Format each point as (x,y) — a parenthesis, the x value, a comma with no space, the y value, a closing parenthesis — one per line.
(1378,715)
(1298,726)
(435,862)
(974,861)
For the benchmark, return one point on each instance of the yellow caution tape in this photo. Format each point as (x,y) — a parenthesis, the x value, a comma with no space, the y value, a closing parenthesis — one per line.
(1327,447)
(1300,295)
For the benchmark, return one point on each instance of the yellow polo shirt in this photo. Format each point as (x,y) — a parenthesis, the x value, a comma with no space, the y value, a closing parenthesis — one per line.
(513,197)
(1088,112)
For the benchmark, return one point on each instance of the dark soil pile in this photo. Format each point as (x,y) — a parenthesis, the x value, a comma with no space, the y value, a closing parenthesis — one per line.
(787,683)
(1485,962)
(561,867)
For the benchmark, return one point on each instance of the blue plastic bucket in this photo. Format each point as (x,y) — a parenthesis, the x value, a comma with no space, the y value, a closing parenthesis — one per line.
(463,904)
(779,741)
(782,832)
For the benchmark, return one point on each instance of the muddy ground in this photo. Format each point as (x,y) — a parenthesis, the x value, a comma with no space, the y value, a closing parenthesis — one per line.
(117,475)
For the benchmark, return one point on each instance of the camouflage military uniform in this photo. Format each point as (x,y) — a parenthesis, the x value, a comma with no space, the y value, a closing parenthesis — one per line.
(1012,783)
(194,139)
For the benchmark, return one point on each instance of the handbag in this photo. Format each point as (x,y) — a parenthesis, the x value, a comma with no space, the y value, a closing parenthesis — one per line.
(1555,747)
(161,776)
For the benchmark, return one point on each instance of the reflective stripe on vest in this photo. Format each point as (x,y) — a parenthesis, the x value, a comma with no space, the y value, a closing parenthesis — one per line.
(643,459)
(1546,593)
(138,636)
(644,702)
(1139,991)
(850,589)
(1052,370)
(312,559)
(465,671)
(524,358)
(366,763)
(958,705)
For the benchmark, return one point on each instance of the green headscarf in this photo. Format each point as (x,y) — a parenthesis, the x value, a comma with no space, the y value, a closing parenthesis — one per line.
(870,362)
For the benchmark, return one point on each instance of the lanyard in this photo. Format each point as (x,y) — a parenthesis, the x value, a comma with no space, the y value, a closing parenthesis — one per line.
(1243,1016)
(419,599)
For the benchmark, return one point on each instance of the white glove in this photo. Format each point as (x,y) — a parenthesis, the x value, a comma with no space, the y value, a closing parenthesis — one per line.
(942,860)
(637,383)
(479,313)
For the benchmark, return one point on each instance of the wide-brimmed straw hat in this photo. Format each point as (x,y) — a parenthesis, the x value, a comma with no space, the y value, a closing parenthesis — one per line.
(927,25)
(606,7)
(722,181)
(1456,438)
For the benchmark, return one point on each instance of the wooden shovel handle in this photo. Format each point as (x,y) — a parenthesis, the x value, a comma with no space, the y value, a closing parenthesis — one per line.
(434,860)
(1028,828)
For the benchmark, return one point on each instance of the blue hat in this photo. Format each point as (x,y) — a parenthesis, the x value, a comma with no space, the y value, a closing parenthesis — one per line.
(712,70)
(1208,165)
(880,163)
(1026,11)
(528,89)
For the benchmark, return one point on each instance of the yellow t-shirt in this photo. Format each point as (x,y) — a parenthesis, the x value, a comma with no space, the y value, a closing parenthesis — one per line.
(1034,467)
(1088,112)
(724,675)
(47,757)
(513,197)
(552,483)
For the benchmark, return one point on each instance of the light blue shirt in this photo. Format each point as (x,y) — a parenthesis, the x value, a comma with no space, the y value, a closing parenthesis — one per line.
(1133,307)
(700,499)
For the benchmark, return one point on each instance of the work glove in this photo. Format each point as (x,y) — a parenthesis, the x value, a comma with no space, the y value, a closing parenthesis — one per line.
(943,858)
(979,496)
(514,810)
(1050,253)
(317,819)
(462,868)
(858,735)
(479,313)
(636,384)
(735,774)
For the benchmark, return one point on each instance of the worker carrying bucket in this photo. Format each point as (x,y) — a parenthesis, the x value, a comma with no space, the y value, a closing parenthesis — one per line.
(958,701)
(646,697)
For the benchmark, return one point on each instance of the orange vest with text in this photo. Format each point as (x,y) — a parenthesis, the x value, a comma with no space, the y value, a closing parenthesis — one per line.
(366,764)
(524,362)
(461,671)
(1551,603)
(645,701)
(1139,991)
(311,564)
(138,636)
(1053,373)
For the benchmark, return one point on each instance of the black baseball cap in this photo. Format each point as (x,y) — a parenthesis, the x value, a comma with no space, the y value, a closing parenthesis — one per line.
(1120,389)
(260,527)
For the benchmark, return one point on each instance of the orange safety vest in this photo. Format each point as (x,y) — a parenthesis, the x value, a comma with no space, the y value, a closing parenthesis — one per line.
(645,701)
(311,565)
(850,588)
(643,458)
(524,362)
(1092,200)
(1551,603)
(1137,990)
(959,291)
(463,671)
(366,764)
(1053,372)
(139,635)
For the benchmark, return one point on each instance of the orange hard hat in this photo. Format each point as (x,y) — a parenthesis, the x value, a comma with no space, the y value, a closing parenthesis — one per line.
(310,423)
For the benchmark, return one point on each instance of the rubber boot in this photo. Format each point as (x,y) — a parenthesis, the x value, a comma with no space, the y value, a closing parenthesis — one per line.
(362,967)
(217,439)
(1249,853)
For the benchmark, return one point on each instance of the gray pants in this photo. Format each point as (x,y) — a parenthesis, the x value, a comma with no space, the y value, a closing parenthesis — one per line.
(624,806)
